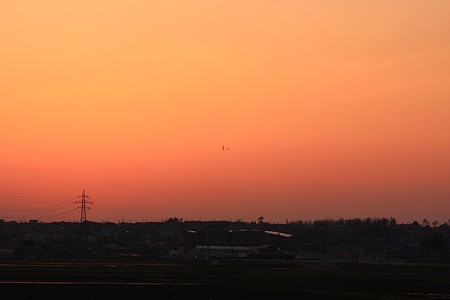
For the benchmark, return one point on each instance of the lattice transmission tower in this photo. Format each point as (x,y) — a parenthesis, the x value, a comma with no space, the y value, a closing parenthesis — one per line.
(83,221)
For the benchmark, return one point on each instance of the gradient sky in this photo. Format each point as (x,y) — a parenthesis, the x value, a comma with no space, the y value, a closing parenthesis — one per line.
(329,108)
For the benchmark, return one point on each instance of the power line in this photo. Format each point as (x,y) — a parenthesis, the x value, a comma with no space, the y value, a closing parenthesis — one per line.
(55,211)
(42,196)
(43,213)
(42,208)
(64,214)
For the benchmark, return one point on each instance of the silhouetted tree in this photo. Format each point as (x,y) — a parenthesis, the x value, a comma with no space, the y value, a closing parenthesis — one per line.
(392,222)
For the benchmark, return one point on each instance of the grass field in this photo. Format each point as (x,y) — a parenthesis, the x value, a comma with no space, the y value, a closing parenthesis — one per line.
(227,279)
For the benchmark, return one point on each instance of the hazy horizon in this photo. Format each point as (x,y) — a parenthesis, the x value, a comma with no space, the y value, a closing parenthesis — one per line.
(69,210)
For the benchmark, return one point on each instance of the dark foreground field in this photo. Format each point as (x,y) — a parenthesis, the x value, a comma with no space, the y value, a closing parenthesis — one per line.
(168,279)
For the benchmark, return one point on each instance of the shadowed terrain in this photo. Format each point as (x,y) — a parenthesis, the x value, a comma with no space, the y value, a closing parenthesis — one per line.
(225,279)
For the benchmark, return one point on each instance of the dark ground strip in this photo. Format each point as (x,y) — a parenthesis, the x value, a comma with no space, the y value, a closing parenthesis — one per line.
(226,280)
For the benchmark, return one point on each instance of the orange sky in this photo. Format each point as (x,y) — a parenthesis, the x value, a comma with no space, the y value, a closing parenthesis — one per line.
(329,108)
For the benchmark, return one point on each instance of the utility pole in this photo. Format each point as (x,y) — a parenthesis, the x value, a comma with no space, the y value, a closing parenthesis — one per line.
(83,222)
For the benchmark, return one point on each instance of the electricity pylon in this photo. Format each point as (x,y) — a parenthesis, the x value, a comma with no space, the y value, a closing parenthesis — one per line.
(83,222)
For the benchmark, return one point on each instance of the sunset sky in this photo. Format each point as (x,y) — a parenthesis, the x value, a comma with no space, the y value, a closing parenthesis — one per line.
(329,108)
